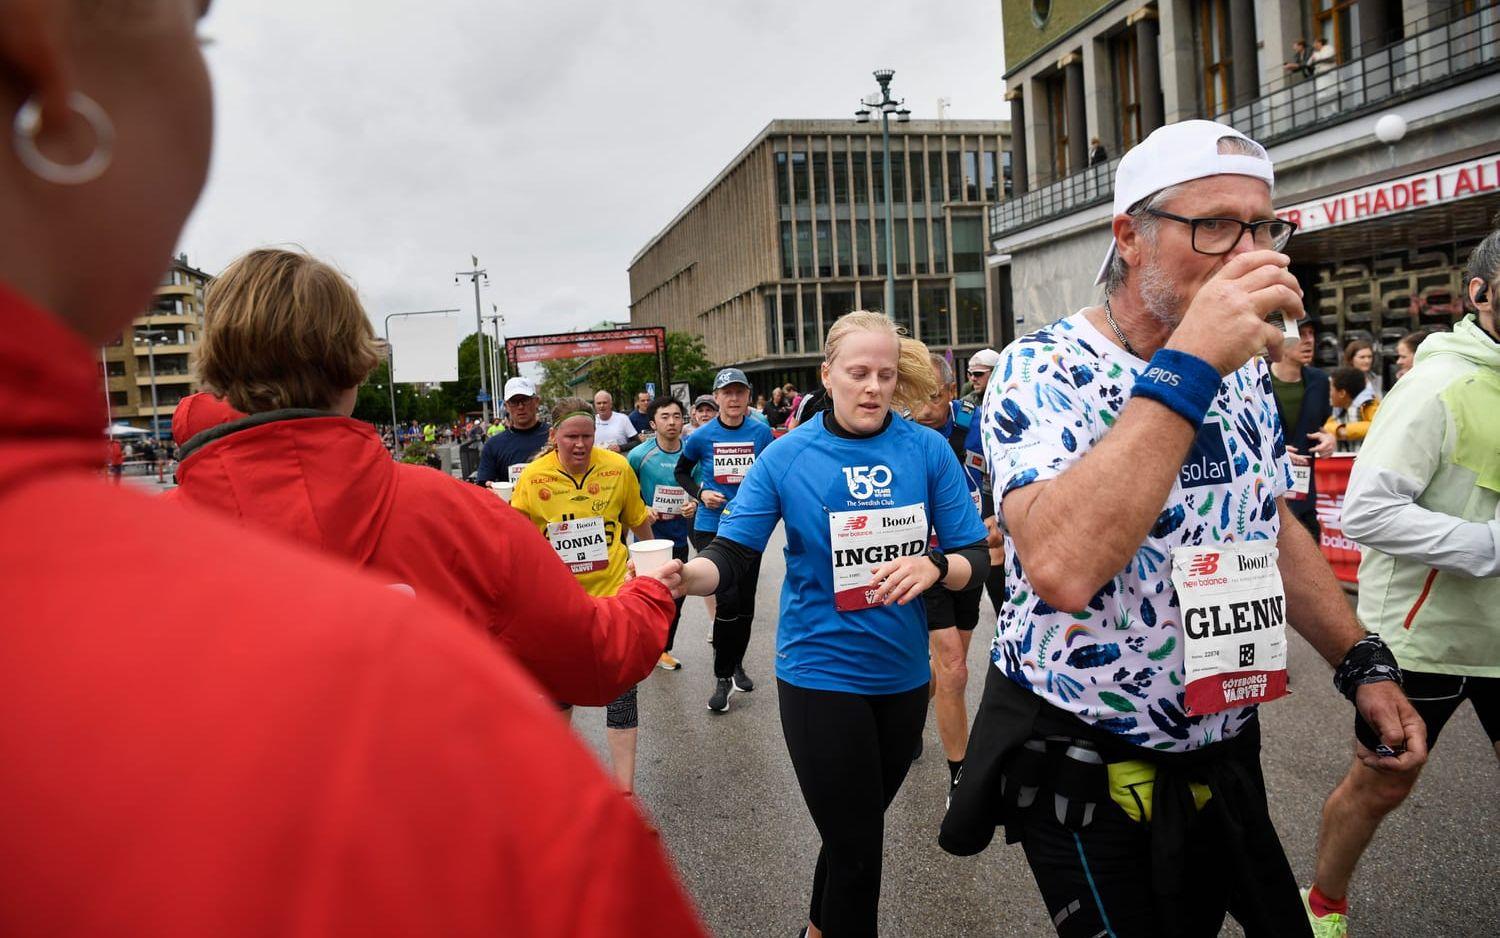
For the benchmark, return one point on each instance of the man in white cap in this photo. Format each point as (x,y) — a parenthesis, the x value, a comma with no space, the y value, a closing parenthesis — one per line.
(1151,570)
(506,453)
(966,414)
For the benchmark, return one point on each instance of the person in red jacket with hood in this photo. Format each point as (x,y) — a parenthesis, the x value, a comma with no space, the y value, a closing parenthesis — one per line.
(285,746)
(287,344)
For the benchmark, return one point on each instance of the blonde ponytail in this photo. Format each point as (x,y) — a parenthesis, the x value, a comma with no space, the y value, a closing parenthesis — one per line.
(915,381)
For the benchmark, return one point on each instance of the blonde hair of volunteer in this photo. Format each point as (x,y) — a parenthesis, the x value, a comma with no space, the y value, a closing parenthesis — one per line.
(915,380)
(562,410)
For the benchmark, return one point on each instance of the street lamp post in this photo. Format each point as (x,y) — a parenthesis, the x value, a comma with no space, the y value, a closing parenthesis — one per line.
(888,106)
(150,336)
(477,274)
(497,361)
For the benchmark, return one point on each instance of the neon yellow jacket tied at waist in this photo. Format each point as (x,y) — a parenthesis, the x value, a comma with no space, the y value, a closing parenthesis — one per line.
(1424,504)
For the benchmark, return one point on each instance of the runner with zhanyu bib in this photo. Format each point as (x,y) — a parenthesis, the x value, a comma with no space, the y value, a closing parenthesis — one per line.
(672,511)
(1152,568)
(727,446)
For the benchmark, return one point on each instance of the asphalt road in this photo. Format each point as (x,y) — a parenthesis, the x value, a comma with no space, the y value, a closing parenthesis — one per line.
(722,792)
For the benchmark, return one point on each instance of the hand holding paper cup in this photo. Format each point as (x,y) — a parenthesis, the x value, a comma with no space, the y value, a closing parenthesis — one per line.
(503,489)
(649,556)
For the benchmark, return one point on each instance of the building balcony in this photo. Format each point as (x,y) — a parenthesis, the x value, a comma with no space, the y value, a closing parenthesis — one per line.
(167,320)
(1427,61)
(143,378)
(175,289)
(165,410)
(142,350)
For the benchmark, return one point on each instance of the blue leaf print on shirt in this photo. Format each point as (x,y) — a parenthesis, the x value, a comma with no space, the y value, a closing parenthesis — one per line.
(1024,478)
(1241,464)
(1245,425)
(1170,720)
(1010,422)
(1224,510)
(1168,521)
(1066,688)
(1050,398)
(1094,656)
(1082,375)
(1148,612)
(1148,560)
(1069,442)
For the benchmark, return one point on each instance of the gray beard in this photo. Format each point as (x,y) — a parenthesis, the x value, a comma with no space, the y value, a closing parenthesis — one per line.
(1158,294)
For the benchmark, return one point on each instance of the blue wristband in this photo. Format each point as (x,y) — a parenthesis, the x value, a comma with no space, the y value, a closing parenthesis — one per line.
(1185,383)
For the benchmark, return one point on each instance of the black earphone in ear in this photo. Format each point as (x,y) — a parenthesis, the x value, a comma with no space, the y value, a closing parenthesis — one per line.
(1482,294)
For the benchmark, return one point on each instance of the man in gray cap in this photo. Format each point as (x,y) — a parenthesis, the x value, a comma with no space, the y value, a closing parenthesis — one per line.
(727,447)
(1152,568)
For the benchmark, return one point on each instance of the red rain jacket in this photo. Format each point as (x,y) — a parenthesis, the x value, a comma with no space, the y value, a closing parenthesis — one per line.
(208,732)
(330,483)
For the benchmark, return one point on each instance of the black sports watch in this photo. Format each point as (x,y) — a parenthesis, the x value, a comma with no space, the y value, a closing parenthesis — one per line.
(940,561)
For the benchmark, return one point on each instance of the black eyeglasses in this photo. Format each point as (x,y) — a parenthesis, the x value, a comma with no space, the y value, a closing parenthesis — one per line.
(1220,235)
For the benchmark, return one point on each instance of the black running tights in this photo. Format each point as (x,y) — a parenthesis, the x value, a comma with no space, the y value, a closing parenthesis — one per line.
(851,753)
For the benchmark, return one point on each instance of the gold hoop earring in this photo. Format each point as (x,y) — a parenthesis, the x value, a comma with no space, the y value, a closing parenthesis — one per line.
(28,124)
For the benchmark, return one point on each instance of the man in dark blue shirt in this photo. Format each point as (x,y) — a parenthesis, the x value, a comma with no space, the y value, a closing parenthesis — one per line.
(640,418)
(507,452)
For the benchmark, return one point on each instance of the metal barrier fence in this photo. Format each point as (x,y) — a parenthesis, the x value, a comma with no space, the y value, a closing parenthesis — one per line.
(1445,54)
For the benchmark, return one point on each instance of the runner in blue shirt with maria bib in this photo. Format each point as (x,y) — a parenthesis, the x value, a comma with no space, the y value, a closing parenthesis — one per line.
(859,490)
(724,449)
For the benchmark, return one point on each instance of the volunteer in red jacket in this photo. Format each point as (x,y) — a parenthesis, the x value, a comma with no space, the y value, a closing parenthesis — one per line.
(285,747)
(287,342)
(727,446)
(859,489)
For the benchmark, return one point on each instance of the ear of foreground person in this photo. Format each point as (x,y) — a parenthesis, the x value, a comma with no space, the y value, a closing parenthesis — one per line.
(210,733)
(328,481)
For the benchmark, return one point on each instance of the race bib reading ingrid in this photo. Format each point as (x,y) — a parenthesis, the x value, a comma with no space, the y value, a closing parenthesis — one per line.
(863,540)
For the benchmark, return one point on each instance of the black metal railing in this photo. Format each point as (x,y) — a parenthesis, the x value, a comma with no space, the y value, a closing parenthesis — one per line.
(1447,53)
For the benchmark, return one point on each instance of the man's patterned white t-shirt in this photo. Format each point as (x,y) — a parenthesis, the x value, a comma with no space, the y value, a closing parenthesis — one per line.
(1118,664)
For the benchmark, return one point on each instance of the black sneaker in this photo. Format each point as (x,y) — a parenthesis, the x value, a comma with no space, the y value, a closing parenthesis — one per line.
(742,682)
(719,702)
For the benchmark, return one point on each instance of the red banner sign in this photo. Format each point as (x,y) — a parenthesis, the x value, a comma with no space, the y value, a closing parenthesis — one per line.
(539,348)
(1434,187)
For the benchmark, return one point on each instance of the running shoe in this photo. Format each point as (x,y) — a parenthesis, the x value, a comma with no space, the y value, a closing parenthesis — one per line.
(719,702)
(742,682)
(1332,925)
(667,663)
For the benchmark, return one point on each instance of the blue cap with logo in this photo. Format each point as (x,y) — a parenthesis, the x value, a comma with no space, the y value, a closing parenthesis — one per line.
(728,376)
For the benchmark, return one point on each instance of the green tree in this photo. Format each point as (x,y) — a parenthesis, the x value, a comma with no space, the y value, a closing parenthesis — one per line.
(462,395)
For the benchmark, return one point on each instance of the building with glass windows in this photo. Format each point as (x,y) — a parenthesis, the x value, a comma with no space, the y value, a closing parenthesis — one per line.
(791,235)
(1388,211)
(158,349)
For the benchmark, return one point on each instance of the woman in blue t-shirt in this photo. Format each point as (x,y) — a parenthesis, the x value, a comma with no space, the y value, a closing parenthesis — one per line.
(876,512)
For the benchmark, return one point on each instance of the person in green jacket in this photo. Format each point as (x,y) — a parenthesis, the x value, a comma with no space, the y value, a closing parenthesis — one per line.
(1424,504)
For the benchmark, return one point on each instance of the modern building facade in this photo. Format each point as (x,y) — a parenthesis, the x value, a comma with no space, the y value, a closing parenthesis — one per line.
(1386,224)
(159,348)
(791,235)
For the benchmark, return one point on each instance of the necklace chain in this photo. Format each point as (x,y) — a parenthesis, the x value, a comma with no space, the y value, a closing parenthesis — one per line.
(1109,317)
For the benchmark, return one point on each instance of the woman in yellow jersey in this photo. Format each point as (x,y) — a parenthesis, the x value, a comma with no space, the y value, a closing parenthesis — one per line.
(583,499)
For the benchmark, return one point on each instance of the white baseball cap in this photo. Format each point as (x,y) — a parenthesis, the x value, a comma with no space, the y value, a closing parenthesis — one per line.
(520,387)
(985,358)
(1178,153)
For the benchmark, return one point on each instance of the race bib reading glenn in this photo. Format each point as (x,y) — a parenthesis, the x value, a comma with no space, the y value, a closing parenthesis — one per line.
(732,461)
(669,499)
(863,540)
(1233,625)
(582,543)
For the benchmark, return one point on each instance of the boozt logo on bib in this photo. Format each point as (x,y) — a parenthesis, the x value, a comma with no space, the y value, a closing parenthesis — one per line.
(732,461)
(1207,462)
(868,481)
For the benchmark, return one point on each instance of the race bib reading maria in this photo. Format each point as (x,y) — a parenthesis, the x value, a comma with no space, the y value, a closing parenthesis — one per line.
(669,499)
(582,544)
(863,540)
(732,461)
(1233,625)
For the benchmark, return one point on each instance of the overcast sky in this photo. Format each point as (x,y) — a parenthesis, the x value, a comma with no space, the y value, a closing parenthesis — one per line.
(552,139)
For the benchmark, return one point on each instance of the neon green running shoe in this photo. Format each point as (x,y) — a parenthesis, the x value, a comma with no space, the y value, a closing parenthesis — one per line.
(1332,925)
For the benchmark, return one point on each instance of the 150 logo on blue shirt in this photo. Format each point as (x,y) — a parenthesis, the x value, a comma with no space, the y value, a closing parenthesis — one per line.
(868,481)
(1207,462)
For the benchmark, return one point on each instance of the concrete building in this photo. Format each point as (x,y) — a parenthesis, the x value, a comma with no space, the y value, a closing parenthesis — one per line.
(791,235)
(1385,227)
(163,338)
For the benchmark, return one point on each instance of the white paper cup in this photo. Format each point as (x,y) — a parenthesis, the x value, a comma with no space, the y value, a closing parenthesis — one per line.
(650,556)
(503,489)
